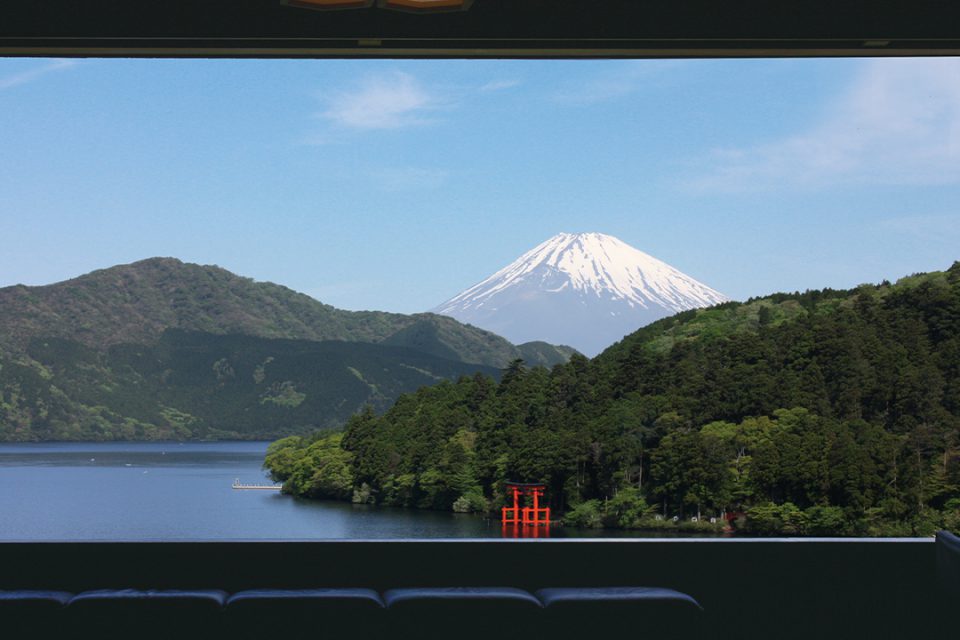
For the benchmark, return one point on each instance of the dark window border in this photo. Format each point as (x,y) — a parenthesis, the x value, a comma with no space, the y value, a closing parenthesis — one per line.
(491,28)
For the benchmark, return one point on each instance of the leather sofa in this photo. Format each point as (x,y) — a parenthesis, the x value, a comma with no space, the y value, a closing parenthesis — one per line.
(288,614)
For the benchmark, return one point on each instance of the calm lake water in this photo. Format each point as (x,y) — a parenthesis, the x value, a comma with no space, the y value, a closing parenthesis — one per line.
(148,491)
(183,491)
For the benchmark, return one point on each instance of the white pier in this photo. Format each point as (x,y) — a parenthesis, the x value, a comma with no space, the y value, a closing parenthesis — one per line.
(259,487)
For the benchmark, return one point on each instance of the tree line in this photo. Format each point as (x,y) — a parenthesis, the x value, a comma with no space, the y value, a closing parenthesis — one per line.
(817,413)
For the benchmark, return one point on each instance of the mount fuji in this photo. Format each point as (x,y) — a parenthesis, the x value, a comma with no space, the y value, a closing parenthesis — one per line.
(586,290)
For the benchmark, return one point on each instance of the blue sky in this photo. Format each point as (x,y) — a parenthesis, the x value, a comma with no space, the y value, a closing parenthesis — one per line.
(395,184)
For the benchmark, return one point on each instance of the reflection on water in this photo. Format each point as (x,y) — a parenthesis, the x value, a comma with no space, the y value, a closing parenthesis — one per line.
(509,530)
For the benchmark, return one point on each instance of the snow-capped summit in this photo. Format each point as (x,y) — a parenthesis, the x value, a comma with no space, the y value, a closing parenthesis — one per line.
(586,290)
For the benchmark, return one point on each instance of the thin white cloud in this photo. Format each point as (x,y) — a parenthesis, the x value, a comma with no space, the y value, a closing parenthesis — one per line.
(24,77)
(389,101)
(898,124)
(499,85)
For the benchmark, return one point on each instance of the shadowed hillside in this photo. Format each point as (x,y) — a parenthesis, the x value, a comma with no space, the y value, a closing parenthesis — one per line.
(164,349)
(135,303)
(200,385)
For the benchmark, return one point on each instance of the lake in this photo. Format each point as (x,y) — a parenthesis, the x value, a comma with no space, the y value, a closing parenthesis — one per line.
(176,491)
(183,491)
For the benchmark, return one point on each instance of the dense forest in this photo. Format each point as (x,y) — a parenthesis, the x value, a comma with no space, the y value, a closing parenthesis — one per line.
(136,303)
(818,413)
(161,349)
(192,385)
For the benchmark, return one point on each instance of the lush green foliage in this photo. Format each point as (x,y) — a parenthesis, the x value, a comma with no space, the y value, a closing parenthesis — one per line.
(314,468)
(136,303)
(827,412)
(198,385)
(160,349)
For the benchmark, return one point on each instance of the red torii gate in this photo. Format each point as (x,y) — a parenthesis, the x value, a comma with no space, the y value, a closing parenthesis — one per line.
(535,515)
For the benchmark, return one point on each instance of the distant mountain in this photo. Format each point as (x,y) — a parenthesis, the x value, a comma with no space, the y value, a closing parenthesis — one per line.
(587,290)
(136,303)
(447,338)
(544,354)
(164,349)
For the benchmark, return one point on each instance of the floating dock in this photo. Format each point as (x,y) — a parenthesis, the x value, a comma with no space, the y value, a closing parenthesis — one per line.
(257,487)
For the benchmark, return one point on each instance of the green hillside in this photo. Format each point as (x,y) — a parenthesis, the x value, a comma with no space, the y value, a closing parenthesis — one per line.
(199,385)
(544,354)
(825,412)
(136,303)
(164,349)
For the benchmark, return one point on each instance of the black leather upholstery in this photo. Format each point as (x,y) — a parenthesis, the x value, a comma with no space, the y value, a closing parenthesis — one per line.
(948,563)
(360,598)
(463,613)
(608,596)
(304,613)
(615,611)
(457,596)
(31,613)
(131,613)
(199,599)
(51,599)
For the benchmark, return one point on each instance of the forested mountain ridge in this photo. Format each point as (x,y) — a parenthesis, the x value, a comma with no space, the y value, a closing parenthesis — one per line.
(883,353)
(825,412)
(136,303)
(192,385)
(164,349)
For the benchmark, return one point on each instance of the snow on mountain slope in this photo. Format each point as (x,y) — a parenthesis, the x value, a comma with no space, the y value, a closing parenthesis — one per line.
(586,290)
